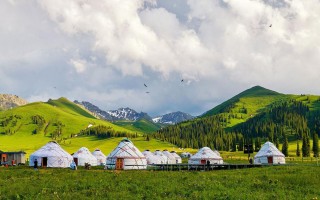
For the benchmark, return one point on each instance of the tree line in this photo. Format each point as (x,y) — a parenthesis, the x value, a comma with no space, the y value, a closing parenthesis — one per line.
(279,122)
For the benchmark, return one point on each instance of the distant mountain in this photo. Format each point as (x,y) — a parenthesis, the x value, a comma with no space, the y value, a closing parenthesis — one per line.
(172,118)
(128,114)
(8,101)
(95,110)
(115,115)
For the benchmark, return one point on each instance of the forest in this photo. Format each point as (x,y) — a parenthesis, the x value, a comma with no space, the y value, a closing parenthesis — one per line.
(282,121)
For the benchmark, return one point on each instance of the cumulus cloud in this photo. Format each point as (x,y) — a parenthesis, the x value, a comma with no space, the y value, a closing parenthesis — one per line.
(109,48)
(79,65)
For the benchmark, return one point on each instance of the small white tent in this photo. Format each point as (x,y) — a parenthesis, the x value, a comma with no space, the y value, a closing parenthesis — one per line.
(126,156)
(176,156)
(82,156)
(171,158)
(51,155)
(101,158)
(269,154)
(204,155)
(163,159)
(151,158)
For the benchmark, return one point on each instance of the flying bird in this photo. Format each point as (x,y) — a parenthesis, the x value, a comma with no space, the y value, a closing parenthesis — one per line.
(182,80)
(145,85)
(147,92)
(270,25)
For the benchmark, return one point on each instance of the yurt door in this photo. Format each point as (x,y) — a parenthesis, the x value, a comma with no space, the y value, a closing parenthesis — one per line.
(4,157)
(44,161)
(75,161)
(203,162)
(270,160)
(119,163)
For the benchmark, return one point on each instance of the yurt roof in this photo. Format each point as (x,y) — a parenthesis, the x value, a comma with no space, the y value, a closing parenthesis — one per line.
(168,154)
(269,149)
(205,153)
(147,153)
(126,149)
(51,149)
(175,154)
(158,153)
(98,152)
(82,152)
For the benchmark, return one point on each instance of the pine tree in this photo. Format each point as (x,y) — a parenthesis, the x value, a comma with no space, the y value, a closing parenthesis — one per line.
(257,145)
(315,145)
(298,149)
(305,145)
(285,146)
(277,143)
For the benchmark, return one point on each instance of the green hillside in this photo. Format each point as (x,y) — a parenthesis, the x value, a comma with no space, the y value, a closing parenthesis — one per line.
(257,114)
(142,125)
(31,126)
(253,100)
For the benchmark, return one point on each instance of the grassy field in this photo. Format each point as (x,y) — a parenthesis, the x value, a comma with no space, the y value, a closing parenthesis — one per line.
(142,125)
(9,143)
(272,182)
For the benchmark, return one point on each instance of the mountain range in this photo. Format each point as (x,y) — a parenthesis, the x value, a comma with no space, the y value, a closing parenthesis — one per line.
(254,114)
(132,115)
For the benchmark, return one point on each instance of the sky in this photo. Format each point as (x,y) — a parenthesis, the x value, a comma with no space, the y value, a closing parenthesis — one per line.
(104,51)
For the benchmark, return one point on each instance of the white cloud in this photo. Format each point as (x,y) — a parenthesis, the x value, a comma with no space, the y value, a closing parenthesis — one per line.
(219,47)
(79,65)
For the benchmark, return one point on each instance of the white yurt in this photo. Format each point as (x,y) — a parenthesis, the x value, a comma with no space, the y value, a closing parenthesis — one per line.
(171,158)
(101,158)
(163,159)
(151,158)
(126,156)
(186,155)
(204,155)
(269,154)
(176,156)
(51,155)
(82,156)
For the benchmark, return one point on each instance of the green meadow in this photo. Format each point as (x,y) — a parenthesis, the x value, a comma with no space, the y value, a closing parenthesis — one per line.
(269,182)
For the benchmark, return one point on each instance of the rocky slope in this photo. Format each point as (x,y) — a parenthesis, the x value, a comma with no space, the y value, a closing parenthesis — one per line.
(8,101)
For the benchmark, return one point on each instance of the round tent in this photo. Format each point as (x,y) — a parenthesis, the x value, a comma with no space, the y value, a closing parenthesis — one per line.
(269,154)
(82,156)
(51,155)
(101,158)
(177,157)
(163,159)
(151,158)
(204,155)
(171,158)
(126,156)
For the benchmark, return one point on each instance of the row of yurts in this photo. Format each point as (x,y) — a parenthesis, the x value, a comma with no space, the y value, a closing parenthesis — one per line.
(127,156)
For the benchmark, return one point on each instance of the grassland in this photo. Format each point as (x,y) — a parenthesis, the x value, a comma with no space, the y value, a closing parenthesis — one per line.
(273,182)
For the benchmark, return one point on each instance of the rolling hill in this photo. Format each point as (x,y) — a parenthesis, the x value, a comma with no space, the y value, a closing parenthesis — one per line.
(254,114)
(30,126)
(141,125)
(247,103)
